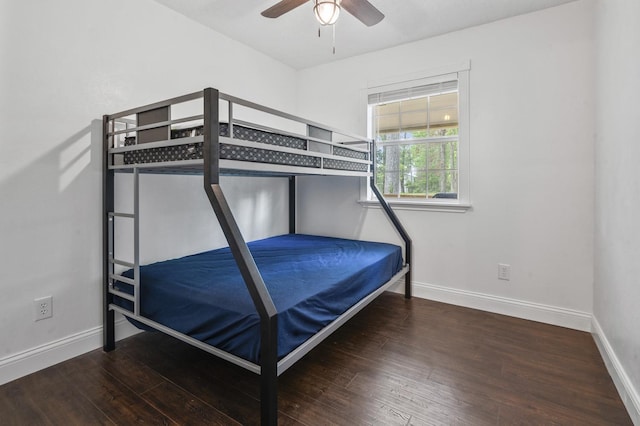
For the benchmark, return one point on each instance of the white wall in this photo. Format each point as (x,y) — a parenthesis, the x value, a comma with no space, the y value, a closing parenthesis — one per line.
(617,241)
(532,165)
(63,65)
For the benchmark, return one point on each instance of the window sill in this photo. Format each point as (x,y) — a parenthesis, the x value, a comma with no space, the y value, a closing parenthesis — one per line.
(420,205)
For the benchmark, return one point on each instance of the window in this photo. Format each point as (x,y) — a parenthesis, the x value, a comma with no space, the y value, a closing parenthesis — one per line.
(420,129)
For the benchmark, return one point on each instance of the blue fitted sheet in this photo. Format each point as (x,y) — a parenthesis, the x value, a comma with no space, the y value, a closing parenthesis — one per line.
(312,280)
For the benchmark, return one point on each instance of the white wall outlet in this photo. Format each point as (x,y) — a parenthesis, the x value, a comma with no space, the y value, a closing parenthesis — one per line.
(43,308)
(504,271)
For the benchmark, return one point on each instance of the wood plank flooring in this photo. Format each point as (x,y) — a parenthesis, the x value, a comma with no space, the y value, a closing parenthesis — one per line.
(398,362)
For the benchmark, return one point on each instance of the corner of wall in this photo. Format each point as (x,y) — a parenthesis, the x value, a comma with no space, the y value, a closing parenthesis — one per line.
(628,393)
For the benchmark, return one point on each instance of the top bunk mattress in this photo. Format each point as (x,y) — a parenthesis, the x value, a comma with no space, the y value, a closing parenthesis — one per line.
(312,280)
(263,147)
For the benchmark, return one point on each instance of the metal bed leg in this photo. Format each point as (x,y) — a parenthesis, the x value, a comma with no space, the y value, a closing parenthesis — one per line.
(269,373)
(262,301)
(292,204)
(246,264)
(407,284)
(403,233)
(109,341)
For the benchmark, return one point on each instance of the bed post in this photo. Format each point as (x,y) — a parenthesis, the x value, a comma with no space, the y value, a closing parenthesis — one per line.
(108,332)
(292,204)
(394,220)
(246,264)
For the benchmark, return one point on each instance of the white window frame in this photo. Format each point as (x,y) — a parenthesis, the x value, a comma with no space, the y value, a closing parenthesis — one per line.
(458,72)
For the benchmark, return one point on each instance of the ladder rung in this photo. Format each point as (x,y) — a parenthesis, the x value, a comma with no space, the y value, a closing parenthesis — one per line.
(122,294)
(121,262)
(120,309)
(122,279)
(129,215)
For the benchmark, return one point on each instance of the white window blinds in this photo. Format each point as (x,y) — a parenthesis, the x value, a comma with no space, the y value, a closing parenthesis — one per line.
(413,92)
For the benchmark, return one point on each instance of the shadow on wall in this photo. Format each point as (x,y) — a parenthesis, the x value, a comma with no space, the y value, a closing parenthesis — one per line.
(50,227)
(56,193)
(61,164)
(76,154)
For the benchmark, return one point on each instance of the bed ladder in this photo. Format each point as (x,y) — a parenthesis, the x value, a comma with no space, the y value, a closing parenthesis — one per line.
(111,261)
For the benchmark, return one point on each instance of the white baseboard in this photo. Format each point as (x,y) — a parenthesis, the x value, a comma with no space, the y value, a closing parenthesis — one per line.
(26,362)
(547,314)
(629,395)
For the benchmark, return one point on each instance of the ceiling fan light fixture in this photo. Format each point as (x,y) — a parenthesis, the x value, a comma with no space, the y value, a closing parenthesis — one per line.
(327,11)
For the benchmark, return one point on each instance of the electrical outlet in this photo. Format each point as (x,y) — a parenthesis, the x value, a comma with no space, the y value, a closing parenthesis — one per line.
(43,308)
(504,271)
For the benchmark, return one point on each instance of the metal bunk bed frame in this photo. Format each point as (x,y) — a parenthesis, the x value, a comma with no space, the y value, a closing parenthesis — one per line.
(270,368)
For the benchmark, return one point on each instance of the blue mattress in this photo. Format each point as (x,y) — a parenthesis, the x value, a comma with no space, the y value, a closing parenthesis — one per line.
(312,280)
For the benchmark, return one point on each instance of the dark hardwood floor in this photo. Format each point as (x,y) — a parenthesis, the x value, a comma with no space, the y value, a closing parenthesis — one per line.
(398,362)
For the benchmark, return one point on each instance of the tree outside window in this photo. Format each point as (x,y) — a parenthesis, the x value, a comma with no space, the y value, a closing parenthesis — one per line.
(417,141)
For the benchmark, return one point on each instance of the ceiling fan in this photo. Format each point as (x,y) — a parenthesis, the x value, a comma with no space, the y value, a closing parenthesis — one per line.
(327,11)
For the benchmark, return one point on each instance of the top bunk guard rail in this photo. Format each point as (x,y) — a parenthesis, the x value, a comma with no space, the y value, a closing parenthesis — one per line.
(310,138)
(212,148)
(155,125)
(252,105)
(157,143)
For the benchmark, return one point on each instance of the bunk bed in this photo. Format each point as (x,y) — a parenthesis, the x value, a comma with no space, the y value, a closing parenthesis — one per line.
(263,304)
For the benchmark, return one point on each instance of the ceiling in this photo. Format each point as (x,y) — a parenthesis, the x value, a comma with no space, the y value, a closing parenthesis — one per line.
(293,37)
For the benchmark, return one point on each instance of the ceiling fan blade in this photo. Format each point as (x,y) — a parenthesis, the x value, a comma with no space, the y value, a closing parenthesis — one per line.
(363,10)
(282,7)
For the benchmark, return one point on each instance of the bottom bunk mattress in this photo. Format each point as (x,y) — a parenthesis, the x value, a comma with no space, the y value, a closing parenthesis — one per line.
(312,280)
